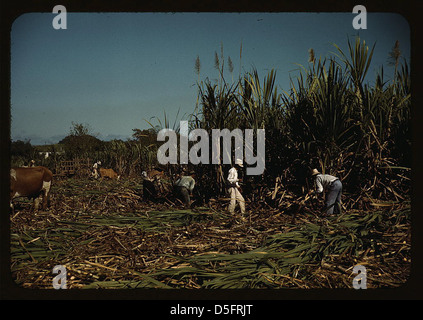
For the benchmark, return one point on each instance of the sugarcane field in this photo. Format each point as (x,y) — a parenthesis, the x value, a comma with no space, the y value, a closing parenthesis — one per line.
(318,187)
(107,236)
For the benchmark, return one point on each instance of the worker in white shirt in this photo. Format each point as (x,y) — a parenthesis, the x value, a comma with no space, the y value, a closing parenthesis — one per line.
(96,168)
(234,191)
(333,188)
(184,187)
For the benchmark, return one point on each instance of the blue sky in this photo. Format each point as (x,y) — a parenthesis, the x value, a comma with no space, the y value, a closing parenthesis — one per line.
(113,70)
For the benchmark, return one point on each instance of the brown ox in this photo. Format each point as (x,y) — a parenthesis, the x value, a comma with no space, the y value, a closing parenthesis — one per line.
(33,182)
(108,173)
(152,183)
(153,174)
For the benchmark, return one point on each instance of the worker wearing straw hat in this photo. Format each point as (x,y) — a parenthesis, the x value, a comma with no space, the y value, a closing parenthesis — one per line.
(333,188)
(234,188)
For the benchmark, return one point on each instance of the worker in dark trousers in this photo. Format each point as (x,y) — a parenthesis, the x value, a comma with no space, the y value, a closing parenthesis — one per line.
(149,187)
(184,187)
(332,186)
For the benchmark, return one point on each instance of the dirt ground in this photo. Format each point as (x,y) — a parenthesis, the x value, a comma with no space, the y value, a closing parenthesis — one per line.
(108,236)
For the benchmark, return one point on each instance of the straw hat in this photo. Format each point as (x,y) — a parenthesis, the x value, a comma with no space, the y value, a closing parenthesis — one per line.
(239,162)
(314,172)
